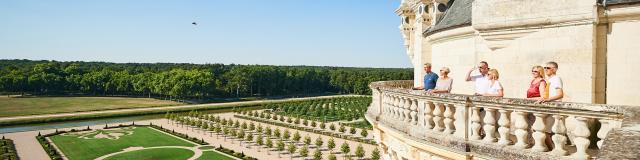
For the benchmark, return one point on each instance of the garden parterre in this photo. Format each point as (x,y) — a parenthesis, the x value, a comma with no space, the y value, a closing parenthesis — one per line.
(129,142)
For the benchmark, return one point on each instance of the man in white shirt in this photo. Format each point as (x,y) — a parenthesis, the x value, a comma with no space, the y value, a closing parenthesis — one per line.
(555,83)
(481,80)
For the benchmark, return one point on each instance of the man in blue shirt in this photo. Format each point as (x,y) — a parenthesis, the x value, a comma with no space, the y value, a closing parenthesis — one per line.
(430,78)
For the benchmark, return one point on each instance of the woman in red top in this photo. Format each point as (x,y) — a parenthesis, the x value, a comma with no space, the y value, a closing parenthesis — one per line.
(538,84)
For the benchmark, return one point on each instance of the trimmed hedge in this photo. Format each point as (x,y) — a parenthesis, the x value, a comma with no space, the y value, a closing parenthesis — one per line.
(8,150)
(48,147)
(326,133)
(181,135)
(240,155)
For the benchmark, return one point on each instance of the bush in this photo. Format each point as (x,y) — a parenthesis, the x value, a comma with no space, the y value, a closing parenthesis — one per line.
(8,150)
(240,155)
(281,124)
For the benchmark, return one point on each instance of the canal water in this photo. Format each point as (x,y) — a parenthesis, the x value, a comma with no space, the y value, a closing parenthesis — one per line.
(89,122)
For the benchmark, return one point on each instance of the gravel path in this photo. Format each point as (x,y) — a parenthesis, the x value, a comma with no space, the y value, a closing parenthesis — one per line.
(261,152)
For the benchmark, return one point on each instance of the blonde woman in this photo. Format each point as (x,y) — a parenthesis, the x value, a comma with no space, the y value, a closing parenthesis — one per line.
(495,88)
(538,84)
(443,85)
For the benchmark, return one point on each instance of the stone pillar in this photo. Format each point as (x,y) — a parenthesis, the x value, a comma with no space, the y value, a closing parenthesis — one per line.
(521,126)
(489,125)
(504,123)
(538,135)
(475,123)
(438,117)
(559,137)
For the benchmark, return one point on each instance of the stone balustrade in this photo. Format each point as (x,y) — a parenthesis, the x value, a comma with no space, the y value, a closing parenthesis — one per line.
(501,128)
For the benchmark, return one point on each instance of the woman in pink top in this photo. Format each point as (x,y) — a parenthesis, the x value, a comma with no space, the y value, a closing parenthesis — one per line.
(538,84)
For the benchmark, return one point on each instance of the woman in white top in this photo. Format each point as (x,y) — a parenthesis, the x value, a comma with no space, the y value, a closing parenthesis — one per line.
(443,85)
(495,88)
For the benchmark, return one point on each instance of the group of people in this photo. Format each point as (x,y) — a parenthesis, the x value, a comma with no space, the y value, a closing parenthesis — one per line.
(486,82)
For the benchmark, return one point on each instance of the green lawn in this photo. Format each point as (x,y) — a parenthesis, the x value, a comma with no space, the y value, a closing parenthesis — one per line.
(154,154)
(209,155)
(11,106)
(93,144)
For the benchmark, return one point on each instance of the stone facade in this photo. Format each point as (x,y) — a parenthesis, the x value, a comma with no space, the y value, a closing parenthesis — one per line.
(413,124)
(592,41)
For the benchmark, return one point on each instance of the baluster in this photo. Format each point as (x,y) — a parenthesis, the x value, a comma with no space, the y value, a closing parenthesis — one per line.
(581,140)
(437,117)
(559,136)
(428,115)
(390,107)
(448,119)
(396,100)
(407,110)
(401,107)
(538,135)
(389,104)
(504,123)
(489,125)
(384,105)
(414,111)
(460,120)
(605,126)
(521,126)
(475,124)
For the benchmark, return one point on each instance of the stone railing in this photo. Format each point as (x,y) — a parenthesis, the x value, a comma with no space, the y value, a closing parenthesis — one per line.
(504,128)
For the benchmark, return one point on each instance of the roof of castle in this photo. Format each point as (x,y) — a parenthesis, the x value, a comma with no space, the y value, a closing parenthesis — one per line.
(458,15)
(614,2)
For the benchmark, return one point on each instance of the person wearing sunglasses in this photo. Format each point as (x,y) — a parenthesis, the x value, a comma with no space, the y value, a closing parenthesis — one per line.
(481,80)
(429,80)
(538,84)
(443,85)
(555,83)
(495,88)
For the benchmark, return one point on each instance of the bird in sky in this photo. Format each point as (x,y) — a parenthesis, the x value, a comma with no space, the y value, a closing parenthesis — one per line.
(194,23)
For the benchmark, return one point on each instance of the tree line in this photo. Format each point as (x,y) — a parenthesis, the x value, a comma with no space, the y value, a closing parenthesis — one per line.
(186,81)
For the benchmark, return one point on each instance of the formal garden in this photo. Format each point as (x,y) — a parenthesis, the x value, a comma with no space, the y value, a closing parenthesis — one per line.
(258,129)
(326,110)
(130,142)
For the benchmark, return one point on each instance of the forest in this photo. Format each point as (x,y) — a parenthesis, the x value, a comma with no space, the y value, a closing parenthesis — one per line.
(184,80)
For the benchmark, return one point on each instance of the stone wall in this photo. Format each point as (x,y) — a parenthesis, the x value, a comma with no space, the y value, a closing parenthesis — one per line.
(513,36)
(455,49)
(571,46)
(594,46)
(510,14)
(623,58)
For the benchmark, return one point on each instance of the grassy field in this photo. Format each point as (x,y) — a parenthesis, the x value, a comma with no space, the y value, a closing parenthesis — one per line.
(208,155)
(155,154)
(93,144)
(11,106)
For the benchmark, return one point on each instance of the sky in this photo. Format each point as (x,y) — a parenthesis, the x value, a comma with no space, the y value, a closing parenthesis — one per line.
(350,33)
